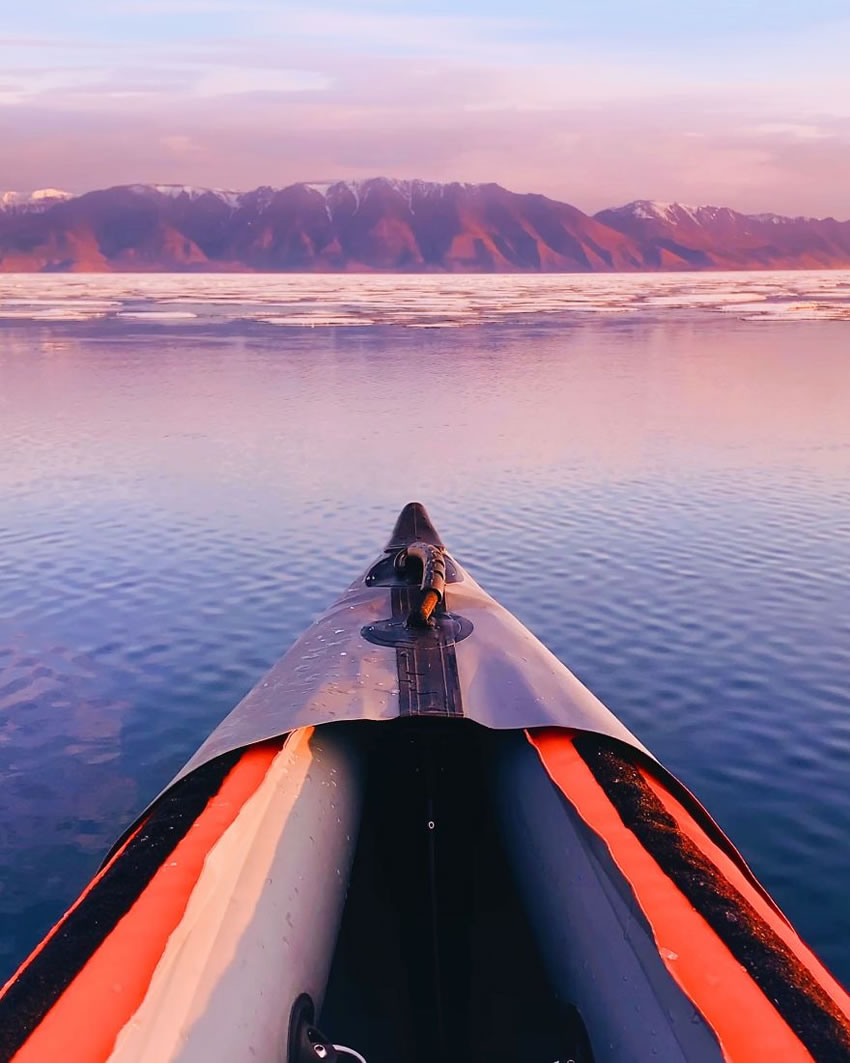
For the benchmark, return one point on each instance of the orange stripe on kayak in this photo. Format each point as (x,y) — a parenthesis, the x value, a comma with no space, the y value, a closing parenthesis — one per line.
(85,1021)
(735,876)
(747,1026)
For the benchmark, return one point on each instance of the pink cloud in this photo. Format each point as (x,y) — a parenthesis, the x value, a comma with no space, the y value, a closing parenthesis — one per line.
(595,131)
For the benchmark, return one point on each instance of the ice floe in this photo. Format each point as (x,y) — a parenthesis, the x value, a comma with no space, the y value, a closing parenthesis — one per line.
(432,301)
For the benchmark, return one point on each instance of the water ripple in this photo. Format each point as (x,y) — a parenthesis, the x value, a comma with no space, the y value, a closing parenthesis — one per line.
(665,504)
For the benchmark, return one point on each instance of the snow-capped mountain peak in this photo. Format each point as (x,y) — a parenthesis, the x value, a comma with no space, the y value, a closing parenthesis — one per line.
(228,195)
(655,208)
(41,194)
(41,198)
(672,213)
(407,188)
(643,215)
(782,219)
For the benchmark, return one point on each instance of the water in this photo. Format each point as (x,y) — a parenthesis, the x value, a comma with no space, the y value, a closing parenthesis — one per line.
(661,494)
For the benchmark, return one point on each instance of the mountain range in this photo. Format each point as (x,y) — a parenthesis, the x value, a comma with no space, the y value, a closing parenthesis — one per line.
(393,226)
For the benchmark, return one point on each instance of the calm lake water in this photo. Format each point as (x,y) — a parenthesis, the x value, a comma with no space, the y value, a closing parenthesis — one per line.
(661,492)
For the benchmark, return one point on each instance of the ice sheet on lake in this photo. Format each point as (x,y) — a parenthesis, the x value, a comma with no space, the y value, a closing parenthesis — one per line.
(445,301)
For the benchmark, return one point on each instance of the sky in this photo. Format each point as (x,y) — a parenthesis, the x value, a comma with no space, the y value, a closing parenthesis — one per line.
(598,102)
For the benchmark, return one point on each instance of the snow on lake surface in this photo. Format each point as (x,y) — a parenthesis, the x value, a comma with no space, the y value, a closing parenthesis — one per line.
(444,301)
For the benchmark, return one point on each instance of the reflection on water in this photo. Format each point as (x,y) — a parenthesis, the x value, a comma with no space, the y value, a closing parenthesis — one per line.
(665,504)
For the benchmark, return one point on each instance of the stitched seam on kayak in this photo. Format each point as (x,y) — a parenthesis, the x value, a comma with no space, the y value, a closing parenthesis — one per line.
(785,981)
(428,681)
(43,981)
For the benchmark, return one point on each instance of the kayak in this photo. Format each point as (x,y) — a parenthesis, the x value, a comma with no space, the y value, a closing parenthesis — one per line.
(421,838)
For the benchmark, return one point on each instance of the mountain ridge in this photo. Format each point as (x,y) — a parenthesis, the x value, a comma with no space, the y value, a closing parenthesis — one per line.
(393,225)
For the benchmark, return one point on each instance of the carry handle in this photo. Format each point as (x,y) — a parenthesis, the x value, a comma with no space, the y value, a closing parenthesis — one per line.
(433,583)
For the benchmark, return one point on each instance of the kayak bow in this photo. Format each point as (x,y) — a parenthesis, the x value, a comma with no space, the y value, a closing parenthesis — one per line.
(421,834)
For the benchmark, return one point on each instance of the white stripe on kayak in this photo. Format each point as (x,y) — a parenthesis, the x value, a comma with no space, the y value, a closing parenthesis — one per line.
(262,920)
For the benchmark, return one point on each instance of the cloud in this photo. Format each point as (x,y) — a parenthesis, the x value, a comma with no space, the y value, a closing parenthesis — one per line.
(300,91)
(235,81)
(568,154)
(180,144)
(464,37)
(790,131)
